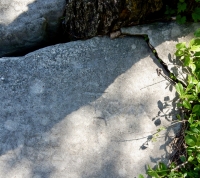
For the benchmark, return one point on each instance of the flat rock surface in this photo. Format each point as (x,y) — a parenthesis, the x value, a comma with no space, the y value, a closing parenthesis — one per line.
(83,109)
(164,37)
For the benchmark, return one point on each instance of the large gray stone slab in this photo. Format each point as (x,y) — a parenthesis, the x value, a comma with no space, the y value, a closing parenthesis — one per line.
(27,23)
(83,109)
(164,37)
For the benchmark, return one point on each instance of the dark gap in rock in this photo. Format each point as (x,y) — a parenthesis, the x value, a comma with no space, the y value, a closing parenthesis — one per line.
(60,37)
(164,65)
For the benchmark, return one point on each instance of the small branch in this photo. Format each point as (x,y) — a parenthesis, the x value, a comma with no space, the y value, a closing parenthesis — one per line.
(177,167)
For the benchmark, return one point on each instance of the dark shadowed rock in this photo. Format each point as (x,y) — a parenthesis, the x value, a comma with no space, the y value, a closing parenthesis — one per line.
(91,17)
(88,18)
(28,23)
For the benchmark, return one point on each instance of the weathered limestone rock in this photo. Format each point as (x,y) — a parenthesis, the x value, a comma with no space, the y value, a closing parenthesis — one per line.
(27,23)
(164,37)
(87,18)
(83,109)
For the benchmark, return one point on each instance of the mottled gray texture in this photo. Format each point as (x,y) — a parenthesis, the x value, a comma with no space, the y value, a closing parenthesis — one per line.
(27,23)
(164,37)
(83,109)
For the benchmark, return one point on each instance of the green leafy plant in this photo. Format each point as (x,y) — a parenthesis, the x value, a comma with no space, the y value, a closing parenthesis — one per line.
(162,171)
(183,10)
(189,102)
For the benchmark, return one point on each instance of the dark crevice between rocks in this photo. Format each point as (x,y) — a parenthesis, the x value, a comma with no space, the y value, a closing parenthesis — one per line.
(146,38)
(164,65)
(177,144)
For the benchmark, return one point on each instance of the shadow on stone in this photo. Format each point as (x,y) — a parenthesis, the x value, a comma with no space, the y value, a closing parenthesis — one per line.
(54,97)
(36,25)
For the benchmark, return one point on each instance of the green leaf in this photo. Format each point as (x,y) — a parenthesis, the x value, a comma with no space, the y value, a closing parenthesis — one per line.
(197,54)
(189,87)
(191,158)
(190,140)
(193,67)
(194,129)
(162,166)
(172,165)
(187,105)
(195,124)
(151,172)
(198,88)
(190,120)
(180,19)
(178,117)
(190,133)
(194,42)
(181,6)
(191,79)
(190,150)
(172,76)
(179,105)
(179,53)
(190,97)
(196,14)
(186,61)
(140,176)
(196,110)
(179,89)
(183,158)
(194,45)
(197,32)
(181,45)
(198,157)
(194,48)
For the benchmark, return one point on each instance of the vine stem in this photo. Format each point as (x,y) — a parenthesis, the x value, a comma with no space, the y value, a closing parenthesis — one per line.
(180,165)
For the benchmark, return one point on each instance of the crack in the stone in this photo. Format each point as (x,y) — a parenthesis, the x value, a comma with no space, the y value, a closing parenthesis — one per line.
(164,65)
(155,53)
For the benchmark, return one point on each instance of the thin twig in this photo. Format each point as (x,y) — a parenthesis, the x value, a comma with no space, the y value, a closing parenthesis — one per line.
(180,165)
